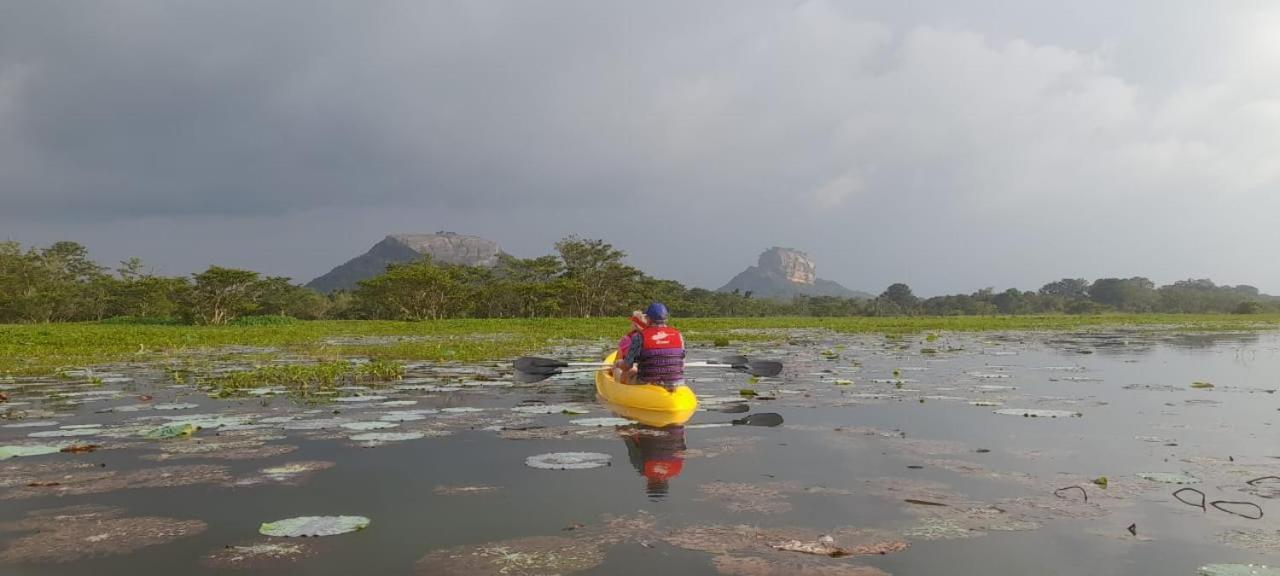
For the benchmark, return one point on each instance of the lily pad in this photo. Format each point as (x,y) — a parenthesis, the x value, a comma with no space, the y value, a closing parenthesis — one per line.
(360,399)
(1169,477)
(568,460)
(363,426)
(309,526)
(7,452)
(387,436)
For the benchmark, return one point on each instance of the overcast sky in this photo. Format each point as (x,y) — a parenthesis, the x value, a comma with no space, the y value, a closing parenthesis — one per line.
(949,145)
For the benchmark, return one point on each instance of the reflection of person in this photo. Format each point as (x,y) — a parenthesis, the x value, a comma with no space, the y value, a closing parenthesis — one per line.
(657,351)
(657,454)
(638,324)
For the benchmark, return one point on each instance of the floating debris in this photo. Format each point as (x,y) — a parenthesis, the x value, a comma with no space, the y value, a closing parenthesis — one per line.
(313,526)
(94,480)
(1238,570)
(79,532)
(257,556)
(1168,477)
(443,490)
(292,472)
(65,433)
(32,424)
(756,566)
(568,460)
(756,498)
(376,438)
(536,556)
(1031,413)
(1255,539)
(601,422)
(175,406)
(360,399)
(364,426)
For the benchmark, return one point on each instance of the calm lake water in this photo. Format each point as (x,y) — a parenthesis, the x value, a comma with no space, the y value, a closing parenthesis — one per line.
(889,445)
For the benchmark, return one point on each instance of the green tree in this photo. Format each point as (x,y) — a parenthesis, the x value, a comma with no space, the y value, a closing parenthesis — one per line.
(416,291)
(220,295)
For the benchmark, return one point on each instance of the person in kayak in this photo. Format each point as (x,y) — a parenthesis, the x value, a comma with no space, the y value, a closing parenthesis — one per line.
(657,352)
(638,324)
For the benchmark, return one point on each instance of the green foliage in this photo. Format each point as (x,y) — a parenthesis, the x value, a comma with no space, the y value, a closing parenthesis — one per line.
(584,278)
(264,320)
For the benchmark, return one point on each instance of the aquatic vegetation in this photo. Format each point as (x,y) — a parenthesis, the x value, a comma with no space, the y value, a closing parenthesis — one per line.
(757,498)
(568,461)
(464,490)
(601,422)
(1238,570)
(257,556)
(1255,539)
(756,566)
(313,526)
(7,452)
(94,480)
(174,430)
(1032,413)
(535,556)
(1169,477)
(371,439)
(716,539)
(76,533)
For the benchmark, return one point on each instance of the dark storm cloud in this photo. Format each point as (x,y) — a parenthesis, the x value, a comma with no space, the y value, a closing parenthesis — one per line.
(949,147)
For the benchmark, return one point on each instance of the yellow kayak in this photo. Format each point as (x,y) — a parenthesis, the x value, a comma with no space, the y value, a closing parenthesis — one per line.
(646,397)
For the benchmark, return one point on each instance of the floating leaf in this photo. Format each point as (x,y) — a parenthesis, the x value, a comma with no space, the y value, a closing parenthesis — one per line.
(360,399)
(7,452)
(1238,570)
(308,526)
(362,426)
(176,406)
(174,430)
(568,460)
(601,422)
(1201,385)
(1169,477)
(63,433)
(388,436)
(1038,413)
(256,555)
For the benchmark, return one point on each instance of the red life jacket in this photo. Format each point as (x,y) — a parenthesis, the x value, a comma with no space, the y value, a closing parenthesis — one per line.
(661,355)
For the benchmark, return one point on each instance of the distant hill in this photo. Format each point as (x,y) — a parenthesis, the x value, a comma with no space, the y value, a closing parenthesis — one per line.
(444,247)
(782,273)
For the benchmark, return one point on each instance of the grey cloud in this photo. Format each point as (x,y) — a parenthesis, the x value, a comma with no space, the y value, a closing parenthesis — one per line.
(948,147)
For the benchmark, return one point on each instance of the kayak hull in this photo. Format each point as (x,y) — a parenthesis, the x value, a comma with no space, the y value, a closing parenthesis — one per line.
(655,402)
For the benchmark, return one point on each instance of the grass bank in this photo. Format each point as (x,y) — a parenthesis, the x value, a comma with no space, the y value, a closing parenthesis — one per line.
(47,348)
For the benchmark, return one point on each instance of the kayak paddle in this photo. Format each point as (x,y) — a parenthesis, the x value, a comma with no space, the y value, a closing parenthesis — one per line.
(530,369)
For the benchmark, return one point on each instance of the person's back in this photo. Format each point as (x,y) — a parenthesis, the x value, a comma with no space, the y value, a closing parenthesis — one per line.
(658,350)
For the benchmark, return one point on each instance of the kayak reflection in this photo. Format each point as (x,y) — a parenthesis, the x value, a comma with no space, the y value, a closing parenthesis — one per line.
(656,453)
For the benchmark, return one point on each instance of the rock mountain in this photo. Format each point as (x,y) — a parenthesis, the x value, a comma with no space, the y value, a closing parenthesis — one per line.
(445,247)
(782,273)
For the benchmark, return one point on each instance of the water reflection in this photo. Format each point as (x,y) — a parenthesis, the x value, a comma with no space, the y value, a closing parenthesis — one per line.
(657,454)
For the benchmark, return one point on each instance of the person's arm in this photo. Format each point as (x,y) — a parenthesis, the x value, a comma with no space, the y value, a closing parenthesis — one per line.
(633,352)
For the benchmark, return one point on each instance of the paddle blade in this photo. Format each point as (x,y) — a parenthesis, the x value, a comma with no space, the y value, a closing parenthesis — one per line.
(536,365)
(732,360)
(768,419)
(531,377)
(764,368)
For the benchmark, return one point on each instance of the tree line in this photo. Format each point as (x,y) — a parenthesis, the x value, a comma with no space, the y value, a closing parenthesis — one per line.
(584,278)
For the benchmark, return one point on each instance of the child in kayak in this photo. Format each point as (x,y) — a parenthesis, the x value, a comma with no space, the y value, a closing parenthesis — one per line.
(657,351)
(638,324)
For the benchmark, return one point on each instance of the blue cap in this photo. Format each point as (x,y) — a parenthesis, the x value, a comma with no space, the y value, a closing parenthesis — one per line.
(656,312)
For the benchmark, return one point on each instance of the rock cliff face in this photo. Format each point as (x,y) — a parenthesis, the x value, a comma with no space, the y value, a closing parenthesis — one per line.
(443,247)
(784,272)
